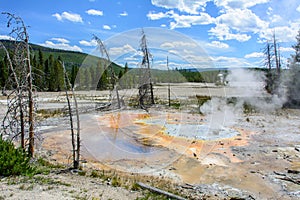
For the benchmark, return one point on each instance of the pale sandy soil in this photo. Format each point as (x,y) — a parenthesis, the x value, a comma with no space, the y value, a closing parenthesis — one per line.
(62,186)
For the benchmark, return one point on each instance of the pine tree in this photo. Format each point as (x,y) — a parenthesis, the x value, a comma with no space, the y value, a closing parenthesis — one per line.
(3,73)
(47,74)
(296,57)
(293,85)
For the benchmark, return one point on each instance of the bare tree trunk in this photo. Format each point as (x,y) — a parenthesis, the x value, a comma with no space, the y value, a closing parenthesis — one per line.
(71,118)
(276,54)
(146,85)
(22,124)
(78,131)
(113,77)
(169,89)
(31,104)
(75,142)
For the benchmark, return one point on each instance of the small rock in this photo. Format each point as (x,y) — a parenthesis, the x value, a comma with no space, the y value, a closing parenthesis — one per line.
(292,171)
(274,150)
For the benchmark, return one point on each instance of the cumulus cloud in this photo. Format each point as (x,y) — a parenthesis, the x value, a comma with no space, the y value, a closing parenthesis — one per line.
(124,14)
(61,43)
(191,7)
(218,44)
(222,32)
(182,21)
(238,4)
(223,61)
(6,37)
(73,17)
(94,12)
(286,49)
(156,16)
(255,55)
(298,8)
(242,20)
(106,27)
(178,44)
(91,43)
(61,40)
(122,50)
(283,33)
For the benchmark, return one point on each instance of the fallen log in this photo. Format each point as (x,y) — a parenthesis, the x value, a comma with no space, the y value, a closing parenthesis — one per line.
(154,189)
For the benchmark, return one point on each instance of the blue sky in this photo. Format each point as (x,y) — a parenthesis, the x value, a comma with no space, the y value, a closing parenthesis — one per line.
(193,33)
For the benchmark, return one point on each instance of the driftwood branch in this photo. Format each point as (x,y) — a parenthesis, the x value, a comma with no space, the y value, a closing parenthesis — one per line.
(154,189)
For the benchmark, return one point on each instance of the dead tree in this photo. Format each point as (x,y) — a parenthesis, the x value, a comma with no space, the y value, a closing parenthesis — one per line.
(75,137)
(19,118)
(169,89)
(276,54)
(146,96)
(113,77)
(273,65)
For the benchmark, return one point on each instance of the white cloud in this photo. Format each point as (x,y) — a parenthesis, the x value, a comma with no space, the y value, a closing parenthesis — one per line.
(276,19)
(6,37)
(223,61)
(155,16)
(122,50)
(218,44)
(94,12)
(222,32)
(242,20)
(269,11)
(91,43)
(178,44)
(286,49)
(182,21)
(282,33)
(238,4)
(255,55)
(163,25)
(61,40)
(191,7)
(60,45)
(73,17)
(106,27)
(124,14)
(298,8)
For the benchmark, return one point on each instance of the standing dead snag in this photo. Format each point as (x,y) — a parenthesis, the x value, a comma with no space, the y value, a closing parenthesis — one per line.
(272,60)
(169,89)
(113,77)
(20,113)
(75,138)
(146,96)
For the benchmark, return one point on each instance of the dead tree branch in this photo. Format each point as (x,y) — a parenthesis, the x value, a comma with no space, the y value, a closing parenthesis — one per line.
(20,114)
(159,191)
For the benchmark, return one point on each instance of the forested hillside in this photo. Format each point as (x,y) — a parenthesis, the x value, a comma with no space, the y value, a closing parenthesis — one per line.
(48,71)
(47,66)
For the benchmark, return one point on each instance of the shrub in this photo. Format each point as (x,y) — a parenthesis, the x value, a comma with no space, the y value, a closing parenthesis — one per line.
(13,161)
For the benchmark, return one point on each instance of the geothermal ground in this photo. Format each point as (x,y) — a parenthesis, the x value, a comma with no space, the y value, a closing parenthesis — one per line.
(226,153)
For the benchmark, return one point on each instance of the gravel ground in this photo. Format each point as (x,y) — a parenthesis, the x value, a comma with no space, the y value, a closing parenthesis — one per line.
(62,186)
